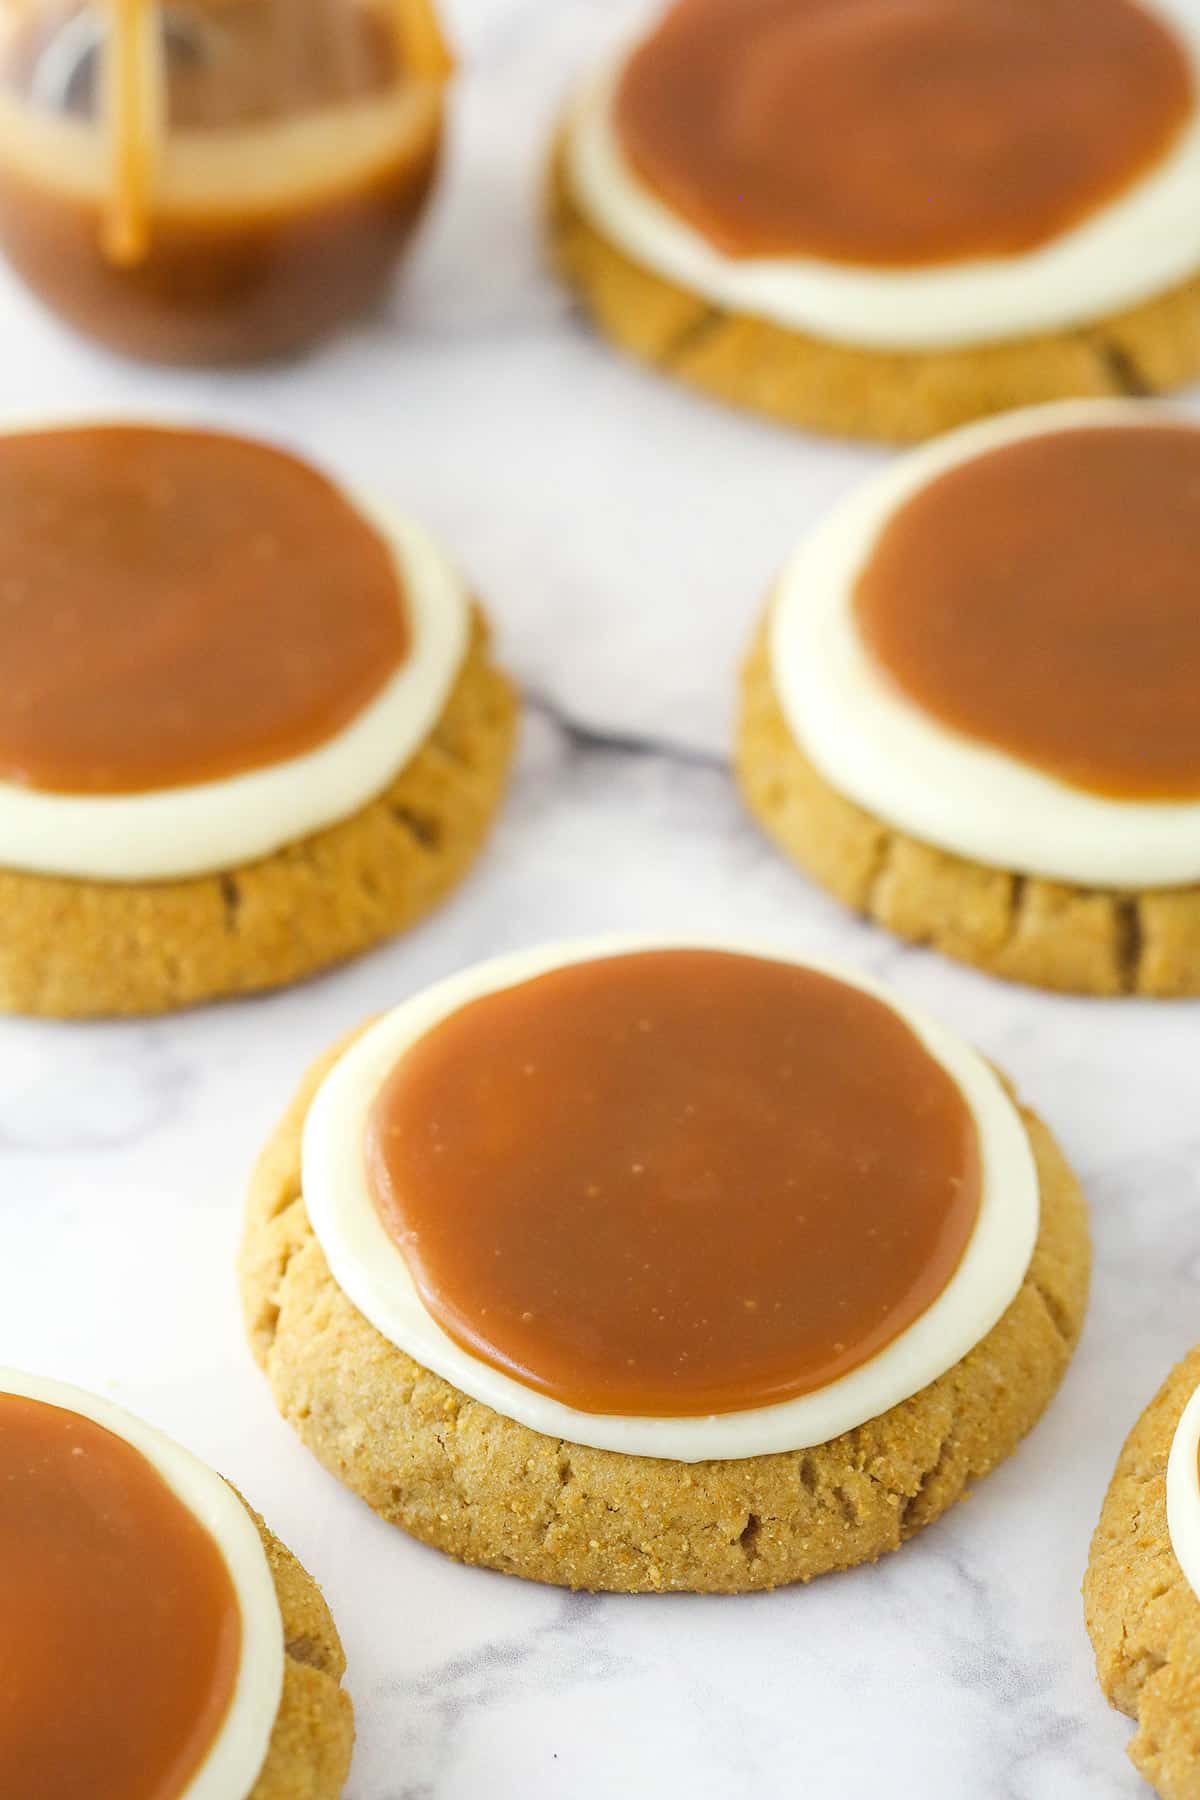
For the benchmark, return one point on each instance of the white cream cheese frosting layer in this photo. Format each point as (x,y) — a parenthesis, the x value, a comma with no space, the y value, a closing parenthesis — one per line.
(1183,1492)
(238,1751)
(371,1270)
(875,745)
(173,833)
(1144,241)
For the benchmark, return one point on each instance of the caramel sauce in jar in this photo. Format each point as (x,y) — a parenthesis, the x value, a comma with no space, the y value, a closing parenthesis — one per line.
(215,180)
(675,1183)
(120,1632)
(899,132)
(1043,600)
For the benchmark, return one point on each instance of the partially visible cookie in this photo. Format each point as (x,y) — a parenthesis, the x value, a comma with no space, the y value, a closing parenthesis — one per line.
(198,1654)
(309,1754)
(970,709)
(844,227)
(1142,1614)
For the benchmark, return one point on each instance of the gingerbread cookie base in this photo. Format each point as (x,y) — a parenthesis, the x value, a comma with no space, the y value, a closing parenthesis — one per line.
(489,1491)
(308,1757)
(895,396)
(75,949)
(1023,928)
(1142,1616)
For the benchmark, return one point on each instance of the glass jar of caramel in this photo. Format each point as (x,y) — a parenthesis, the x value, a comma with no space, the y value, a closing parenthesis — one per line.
(215,180)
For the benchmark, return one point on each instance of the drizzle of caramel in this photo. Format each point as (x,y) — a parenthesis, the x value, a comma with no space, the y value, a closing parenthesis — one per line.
(133,84)
(178,606)
(424,51)
(120,1632)
(1043,599)
(674,1183)
(899,132)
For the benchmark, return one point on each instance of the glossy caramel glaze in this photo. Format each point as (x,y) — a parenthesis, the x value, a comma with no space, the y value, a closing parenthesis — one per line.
(674,1183)
(899,132)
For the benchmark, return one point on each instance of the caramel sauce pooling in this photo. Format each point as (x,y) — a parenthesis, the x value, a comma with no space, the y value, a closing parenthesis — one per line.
(120,1632)
(675,1183)
(178,606)
(899,132)
(1044,599)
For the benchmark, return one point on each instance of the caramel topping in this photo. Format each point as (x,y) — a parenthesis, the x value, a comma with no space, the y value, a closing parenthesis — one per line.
(177,606)
(675,1182)
(1043,599)
(899,132)
(121,1631)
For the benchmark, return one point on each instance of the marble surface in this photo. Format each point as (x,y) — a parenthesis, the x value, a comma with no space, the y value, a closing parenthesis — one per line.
(623,534)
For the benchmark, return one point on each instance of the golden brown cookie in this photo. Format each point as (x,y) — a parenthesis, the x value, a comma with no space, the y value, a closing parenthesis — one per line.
(1142,1616)
(490,1491)
(75,949)
(1024,928)
(897,396)
(309,1754)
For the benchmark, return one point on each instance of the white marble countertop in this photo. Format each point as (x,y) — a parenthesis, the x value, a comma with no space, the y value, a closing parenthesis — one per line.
(623,534)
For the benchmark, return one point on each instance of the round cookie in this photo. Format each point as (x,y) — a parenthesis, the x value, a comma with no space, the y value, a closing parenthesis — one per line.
(689,208)
(309,1753)
(74,949)
(1142,1615)
(489,1490)
(1051,934)
(894,396)
(250,724)
(1013,814)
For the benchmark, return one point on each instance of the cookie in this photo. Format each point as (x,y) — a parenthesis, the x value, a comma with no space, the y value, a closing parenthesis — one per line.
(1142,1615)
(489,1490)
(222,1667)
(74,949)
(1037,816)
(249,724)
(707,212)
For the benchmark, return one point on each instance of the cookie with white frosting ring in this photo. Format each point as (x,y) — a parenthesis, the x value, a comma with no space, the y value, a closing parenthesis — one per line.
(1043,835)
(1108,305)
(1140,1599)
(222,1669)
(250,725)
(470,1462)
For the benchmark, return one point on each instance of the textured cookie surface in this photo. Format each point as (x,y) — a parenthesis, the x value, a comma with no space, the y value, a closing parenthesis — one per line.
(898,396)
(490,1491)
(1142,1616)
(72,949)
(308,1757)
(1024,928)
